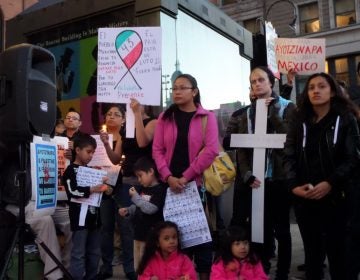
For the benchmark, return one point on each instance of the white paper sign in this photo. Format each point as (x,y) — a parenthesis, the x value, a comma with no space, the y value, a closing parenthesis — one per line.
(62,144)
(186,210)
(129,65)
(112,172)
(100,157)
(89,177)
(130,122)
(271,36)
(83,213)
(305,56)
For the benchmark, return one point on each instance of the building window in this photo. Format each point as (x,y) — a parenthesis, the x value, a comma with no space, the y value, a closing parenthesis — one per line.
(225,2)
(326,66)
(215,2)
(357,64)
(342,70)
(345,12)
(309,18)
(1,30)
(252,25)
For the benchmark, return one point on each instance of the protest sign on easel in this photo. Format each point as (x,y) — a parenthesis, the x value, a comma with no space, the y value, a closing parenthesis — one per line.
(44,176)
(129,66)
(259,141)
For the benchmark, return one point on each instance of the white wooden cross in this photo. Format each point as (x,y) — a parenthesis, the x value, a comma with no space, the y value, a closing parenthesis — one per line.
(259,141)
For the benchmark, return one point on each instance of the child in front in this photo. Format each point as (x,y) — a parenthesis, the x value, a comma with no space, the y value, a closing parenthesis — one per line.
(85,252)
(162,257)
(235,260)
(148,204)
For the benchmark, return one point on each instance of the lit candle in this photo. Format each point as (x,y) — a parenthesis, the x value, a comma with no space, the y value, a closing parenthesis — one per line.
(103,127)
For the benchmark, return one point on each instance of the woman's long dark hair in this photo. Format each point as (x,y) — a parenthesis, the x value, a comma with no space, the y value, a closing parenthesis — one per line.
(231,235)
(168,114)
(152,243)
(339,104)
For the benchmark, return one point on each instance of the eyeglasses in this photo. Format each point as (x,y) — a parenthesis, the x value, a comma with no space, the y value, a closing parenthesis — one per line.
(72,118)
(118,115)
(181,88)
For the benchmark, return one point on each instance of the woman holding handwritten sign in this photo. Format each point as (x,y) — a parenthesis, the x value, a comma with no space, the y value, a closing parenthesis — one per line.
(179,137)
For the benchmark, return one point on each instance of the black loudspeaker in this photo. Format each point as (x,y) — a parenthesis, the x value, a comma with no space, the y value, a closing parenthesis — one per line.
(27,93)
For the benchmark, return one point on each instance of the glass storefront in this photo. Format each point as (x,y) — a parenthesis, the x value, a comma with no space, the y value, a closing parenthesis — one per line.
(215,61)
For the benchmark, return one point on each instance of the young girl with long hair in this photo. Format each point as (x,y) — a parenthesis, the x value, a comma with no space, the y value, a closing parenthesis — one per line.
(235,259)
(163,258)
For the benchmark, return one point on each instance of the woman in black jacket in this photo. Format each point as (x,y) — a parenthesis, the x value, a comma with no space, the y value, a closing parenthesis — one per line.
(322,150)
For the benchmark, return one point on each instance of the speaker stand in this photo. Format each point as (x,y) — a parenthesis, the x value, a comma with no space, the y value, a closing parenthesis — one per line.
(20,228)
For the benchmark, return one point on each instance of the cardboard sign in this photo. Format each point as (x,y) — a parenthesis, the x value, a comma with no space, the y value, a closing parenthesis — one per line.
(305,56)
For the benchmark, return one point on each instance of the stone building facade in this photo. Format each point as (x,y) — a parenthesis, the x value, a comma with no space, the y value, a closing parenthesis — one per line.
(336,20)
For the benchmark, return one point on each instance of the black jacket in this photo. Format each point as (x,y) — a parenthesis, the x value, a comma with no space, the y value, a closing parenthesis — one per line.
(276,124)
(92,220)
(338,147)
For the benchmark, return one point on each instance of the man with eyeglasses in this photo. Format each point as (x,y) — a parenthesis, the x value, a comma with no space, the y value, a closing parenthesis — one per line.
(72,124)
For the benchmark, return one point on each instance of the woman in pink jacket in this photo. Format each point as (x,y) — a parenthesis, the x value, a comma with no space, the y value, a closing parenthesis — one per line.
(179,136)
(235,260)
(162,259)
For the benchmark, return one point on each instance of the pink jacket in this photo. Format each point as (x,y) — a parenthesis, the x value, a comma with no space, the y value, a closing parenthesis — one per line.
(165,139)
(174,267)
(235,269)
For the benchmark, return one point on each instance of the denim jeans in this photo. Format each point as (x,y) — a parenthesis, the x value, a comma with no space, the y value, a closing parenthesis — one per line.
(108,212)
(85,254)
(125,226)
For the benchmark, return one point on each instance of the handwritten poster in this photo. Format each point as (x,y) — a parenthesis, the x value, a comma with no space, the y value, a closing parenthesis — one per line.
(129,65)
(101,160)
(112,172)
(86,177)
(62,144)
(271,36)
(100,157)
(305,56)
(44,174)
(186,210)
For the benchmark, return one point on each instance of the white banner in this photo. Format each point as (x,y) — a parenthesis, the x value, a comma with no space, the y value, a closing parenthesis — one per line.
(129,65)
